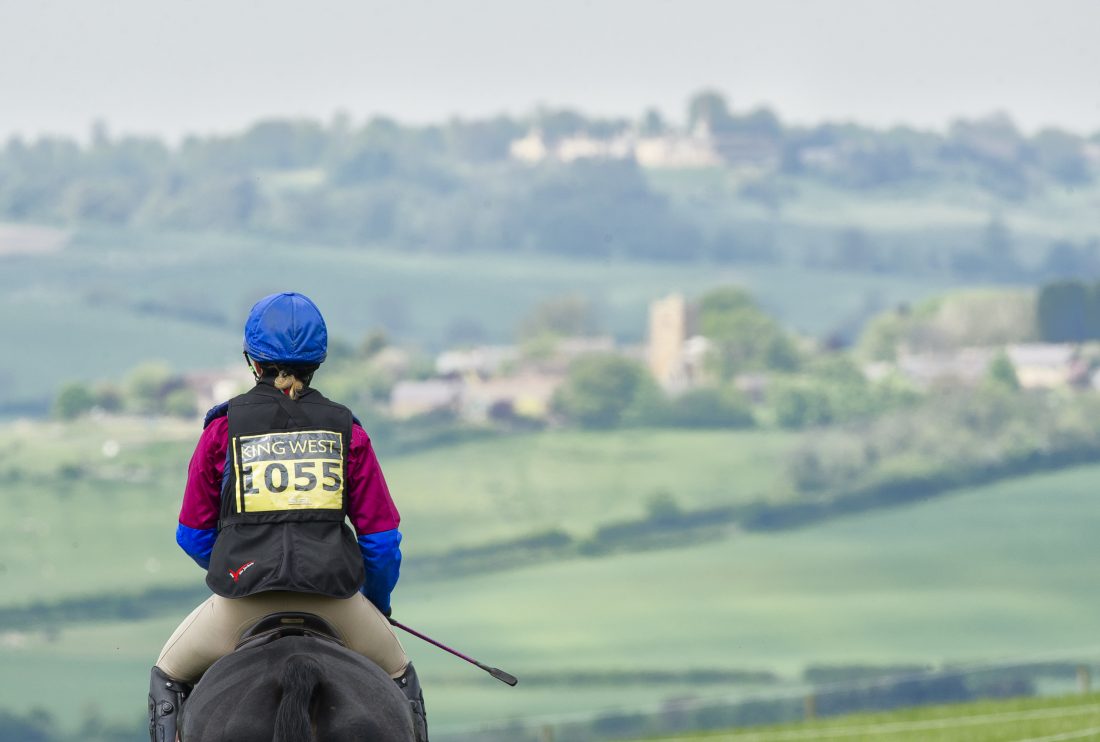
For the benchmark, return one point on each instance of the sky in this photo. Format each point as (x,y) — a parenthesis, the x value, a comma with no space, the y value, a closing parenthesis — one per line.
(173,67)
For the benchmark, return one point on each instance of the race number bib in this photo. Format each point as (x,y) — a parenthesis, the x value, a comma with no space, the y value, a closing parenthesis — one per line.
(289,471)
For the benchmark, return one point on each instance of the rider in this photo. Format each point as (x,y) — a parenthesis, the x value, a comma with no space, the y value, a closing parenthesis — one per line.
(274,475)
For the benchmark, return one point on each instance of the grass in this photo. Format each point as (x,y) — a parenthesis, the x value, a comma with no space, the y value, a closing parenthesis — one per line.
(85,303)
(955,211)
(510,487)
(1015,720)
(68,507)
(989,572)
(1002,571)
(79,523)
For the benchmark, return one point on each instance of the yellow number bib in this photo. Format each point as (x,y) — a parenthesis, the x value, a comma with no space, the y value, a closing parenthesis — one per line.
(289,471)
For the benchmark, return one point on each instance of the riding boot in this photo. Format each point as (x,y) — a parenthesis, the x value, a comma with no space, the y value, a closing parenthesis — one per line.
(166,697)
(410,686)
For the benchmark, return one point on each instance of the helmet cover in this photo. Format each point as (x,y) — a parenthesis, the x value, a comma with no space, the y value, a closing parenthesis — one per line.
(286,328)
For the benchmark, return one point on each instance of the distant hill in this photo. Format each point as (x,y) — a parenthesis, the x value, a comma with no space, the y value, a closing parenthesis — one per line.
(127,249)
(113,299)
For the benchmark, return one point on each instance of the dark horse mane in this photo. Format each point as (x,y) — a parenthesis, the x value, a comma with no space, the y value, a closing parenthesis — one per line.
(296,689)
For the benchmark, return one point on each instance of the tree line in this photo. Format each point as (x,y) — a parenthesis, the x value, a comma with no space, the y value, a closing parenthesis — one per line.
(453,187)
(1068,312)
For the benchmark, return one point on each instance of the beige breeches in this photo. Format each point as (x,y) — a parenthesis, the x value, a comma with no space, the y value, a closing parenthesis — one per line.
(214,628)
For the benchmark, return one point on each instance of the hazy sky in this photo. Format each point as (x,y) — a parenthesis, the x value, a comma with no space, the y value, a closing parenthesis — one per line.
(172,66)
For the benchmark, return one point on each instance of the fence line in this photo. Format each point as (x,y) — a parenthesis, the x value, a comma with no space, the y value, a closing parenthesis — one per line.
(1079,734)
(899,726)
(796,690)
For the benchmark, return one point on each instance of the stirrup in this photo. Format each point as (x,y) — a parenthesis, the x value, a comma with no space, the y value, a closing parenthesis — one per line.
(409,684)
(166,697)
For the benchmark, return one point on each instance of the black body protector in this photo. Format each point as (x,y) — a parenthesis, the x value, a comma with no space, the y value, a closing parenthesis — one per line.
(284,498)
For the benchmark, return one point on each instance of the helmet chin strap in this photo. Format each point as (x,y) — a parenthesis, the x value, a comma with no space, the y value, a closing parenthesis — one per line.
(251,366)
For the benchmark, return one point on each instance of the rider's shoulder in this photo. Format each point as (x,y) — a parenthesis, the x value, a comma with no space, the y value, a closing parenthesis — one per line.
(218,410)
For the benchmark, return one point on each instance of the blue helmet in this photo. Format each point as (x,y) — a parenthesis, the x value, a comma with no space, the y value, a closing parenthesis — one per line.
(286,328)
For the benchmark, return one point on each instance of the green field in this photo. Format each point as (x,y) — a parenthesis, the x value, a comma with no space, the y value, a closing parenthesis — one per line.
(575,480)
(1004,571)
(106,327)
(138,285)
(952,213)
(1016,720)
(460,495)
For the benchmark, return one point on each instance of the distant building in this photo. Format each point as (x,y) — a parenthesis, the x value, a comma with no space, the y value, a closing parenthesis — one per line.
(582,147)
(216,386)
(486,360)
(743,150)
(1037,365)
(571,348)
(530,149)
(676,151)
(412,398)
(525,395)
(668,330)
(753,385)
(666,151)
(477,399)
(564,351)
(1043,365)
(967,366)
(392,360)
(676,354)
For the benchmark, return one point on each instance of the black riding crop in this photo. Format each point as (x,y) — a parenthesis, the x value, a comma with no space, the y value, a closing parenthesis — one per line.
(496,673)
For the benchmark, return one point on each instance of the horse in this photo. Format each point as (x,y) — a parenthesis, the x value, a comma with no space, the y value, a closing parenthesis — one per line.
(295,688)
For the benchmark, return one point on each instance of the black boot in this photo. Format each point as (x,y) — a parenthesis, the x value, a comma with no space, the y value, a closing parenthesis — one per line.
(410,686)
(166,697)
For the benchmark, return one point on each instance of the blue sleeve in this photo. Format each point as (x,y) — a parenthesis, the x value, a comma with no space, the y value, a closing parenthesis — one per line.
(218,410)
(382,562)
(197,542)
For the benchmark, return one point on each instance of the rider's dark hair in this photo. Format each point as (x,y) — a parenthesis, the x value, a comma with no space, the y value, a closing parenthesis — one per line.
(285,376)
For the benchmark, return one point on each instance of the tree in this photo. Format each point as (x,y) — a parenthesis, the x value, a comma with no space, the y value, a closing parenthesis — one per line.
(1002,373)
(1061,155)
(602,208)
(997,248)
(662,507)
(719,303)
(1092,313)
(854,252)
(652,123)
(482,141)
(878,164)
(708,407)
(709,108)
(148,385)
(799,404)
(1066,260)
(108,397)
(744,337)
(73,400)
(36,726)
(601,389)
(1061,312)
(559,124)
(567,316)
(761,122)
(181,402)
